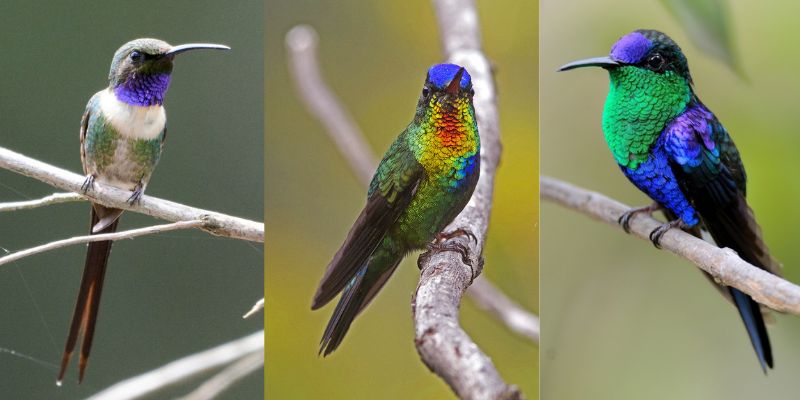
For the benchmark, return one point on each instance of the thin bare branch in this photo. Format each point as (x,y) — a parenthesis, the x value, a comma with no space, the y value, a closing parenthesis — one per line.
(489,298)
(129,234)
(301,42)
(256,308)
(184,369)
(722,263)
(227,377)
(55,198)
(213,222)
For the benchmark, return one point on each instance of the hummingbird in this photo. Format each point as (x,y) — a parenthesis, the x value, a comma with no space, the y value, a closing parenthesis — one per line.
(424,180)
(122,135)
(675,150)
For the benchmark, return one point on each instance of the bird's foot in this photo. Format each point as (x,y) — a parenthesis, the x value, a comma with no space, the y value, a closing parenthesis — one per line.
(88,183)
(656,234)
(444,236)
(625,219)
(136,196)
(440,244)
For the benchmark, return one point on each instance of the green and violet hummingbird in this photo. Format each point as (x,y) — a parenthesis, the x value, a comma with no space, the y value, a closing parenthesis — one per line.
(122,134)
(675,150)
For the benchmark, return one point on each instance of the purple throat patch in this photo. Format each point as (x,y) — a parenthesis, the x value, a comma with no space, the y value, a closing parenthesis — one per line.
(631,48)
(143,90)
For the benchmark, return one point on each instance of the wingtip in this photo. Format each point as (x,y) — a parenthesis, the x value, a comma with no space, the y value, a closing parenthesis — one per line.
(318,300)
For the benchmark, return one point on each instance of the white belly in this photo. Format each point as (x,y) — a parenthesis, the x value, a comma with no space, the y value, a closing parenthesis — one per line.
(134,122)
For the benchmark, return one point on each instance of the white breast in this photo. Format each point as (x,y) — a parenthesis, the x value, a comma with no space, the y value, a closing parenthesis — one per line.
(131,121)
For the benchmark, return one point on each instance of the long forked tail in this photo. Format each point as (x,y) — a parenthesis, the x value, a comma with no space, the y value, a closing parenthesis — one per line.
(356,295)
(84,317)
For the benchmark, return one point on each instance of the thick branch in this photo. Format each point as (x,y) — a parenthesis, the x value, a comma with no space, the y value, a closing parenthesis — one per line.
(723,264)
(129,234)
(214,222)
(185,368)
(443,345)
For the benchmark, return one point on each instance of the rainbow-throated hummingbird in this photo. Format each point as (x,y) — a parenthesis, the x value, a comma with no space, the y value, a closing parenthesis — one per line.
(122,134)
(674,149)
(423,181)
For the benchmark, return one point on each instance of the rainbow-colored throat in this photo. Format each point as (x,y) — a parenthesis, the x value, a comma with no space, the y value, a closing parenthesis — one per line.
(445,138)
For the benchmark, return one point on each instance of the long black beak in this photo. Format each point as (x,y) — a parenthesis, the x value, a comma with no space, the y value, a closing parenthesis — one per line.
(455,84)
(605,62)
(193,46)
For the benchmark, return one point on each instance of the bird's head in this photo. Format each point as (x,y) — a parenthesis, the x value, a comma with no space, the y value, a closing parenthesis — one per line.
(141,68)
(650,53)
(448,88)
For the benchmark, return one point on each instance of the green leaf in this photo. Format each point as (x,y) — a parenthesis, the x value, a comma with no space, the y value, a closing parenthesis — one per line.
(708,26)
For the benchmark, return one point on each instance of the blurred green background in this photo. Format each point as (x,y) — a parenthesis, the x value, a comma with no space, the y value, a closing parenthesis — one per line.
(165,296)
(375,56)
(619,317)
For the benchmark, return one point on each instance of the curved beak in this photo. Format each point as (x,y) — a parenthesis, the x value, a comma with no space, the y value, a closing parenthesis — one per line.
(455,84)
(605,62)
(194,46)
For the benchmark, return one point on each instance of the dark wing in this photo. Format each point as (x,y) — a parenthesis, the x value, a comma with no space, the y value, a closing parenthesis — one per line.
(710,171)
(707,163)
(392,189)
(87,115)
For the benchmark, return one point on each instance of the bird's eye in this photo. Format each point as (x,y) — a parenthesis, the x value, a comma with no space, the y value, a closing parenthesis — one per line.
(655,62)
(136,56)
(472,92)
(426,91)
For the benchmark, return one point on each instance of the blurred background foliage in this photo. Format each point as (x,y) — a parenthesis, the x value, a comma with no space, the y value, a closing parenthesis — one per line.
(623,319)
(375,56)
(165,296)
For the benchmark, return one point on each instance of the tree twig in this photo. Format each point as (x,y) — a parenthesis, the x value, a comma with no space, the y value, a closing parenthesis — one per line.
(491,299)
(129,234)
(227,377)
(55,198)
(183,369)
(301,42)
(213,222)
(256,308)
(722,263)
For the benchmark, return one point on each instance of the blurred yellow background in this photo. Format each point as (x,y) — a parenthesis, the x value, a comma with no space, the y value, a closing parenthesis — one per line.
(620,319)
(375,56)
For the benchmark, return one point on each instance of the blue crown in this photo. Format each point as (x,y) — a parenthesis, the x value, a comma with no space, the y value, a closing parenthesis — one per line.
(441,75)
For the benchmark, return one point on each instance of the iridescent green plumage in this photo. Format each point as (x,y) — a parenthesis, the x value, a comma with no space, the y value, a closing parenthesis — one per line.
(639,104)
(423,181)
